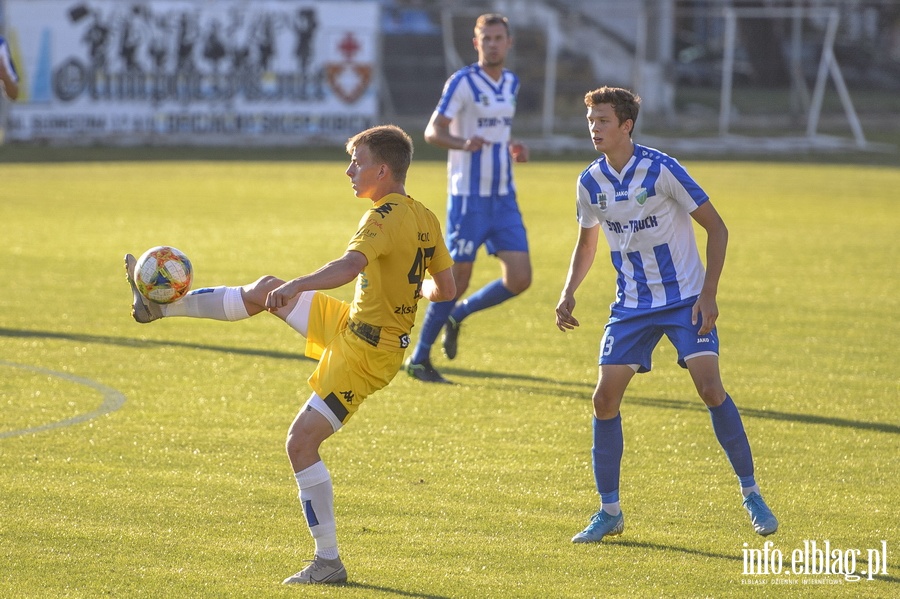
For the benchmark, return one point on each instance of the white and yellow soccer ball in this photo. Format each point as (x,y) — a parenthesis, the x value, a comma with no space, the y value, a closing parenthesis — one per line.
(163,274)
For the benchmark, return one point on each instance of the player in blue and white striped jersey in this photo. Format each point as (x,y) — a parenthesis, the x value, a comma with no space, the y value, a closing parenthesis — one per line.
(473,120)
(644,202)
(9,78)
(644,212)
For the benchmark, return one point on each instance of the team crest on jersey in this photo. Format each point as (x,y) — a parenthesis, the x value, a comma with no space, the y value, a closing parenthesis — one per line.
(640,196)
(601,201)
(484,99)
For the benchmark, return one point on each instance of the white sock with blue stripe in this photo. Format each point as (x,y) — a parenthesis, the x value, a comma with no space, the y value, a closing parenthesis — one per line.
(217,303)
(317,499)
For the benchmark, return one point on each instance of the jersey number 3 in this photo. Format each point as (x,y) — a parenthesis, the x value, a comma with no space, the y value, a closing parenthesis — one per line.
(608,344)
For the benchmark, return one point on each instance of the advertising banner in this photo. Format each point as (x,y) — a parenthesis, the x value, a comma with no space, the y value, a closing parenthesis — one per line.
(182,71)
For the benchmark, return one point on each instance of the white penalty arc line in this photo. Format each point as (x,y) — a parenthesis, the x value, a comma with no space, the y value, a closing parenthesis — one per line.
(112,400)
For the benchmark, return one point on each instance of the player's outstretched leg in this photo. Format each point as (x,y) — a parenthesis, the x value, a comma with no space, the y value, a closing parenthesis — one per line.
(142,310)
(320,571)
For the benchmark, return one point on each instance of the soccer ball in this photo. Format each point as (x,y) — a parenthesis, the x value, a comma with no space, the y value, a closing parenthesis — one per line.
(163,274)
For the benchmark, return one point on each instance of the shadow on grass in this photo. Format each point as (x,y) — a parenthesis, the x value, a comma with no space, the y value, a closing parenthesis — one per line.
(669,404)
(526,382)
(524,378)
(667,548)
(679,404)
(372,587)
(131,342)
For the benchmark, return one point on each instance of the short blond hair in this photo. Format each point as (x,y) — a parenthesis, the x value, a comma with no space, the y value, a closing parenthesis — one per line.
(389,145)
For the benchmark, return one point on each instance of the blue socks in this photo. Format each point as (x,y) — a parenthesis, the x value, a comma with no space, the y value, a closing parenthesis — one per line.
(609,447)
(490,295)
(607,457)
(729,429)
(437,313)
(435,317)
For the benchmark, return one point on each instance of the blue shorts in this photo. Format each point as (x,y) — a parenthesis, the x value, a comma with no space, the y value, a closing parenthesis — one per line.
(631,335)
(495,222)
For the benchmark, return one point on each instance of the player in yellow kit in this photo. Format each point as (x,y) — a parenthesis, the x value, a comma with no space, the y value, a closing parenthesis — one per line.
(359,345)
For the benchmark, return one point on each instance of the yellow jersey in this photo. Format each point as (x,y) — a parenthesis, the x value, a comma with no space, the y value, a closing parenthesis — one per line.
(402,240)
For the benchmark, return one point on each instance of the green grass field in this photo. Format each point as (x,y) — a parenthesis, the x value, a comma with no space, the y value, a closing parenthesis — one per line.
(183,490)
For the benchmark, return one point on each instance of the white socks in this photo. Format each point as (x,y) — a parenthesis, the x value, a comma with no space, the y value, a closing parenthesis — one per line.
(317,499)
(745,491)
(217,303)
(613,509)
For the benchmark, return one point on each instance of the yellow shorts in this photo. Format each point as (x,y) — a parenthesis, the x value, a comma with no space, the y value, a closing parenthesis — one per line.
(349,369)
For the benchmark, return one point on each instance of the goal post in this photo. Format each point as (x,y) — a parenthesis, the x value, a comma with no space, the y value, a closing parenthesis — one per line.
(827,66)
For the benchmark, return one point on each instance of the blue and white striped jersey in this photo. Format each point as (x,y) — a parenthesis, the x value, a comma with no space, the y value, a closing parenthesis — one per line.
(645,213)
(479,105)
